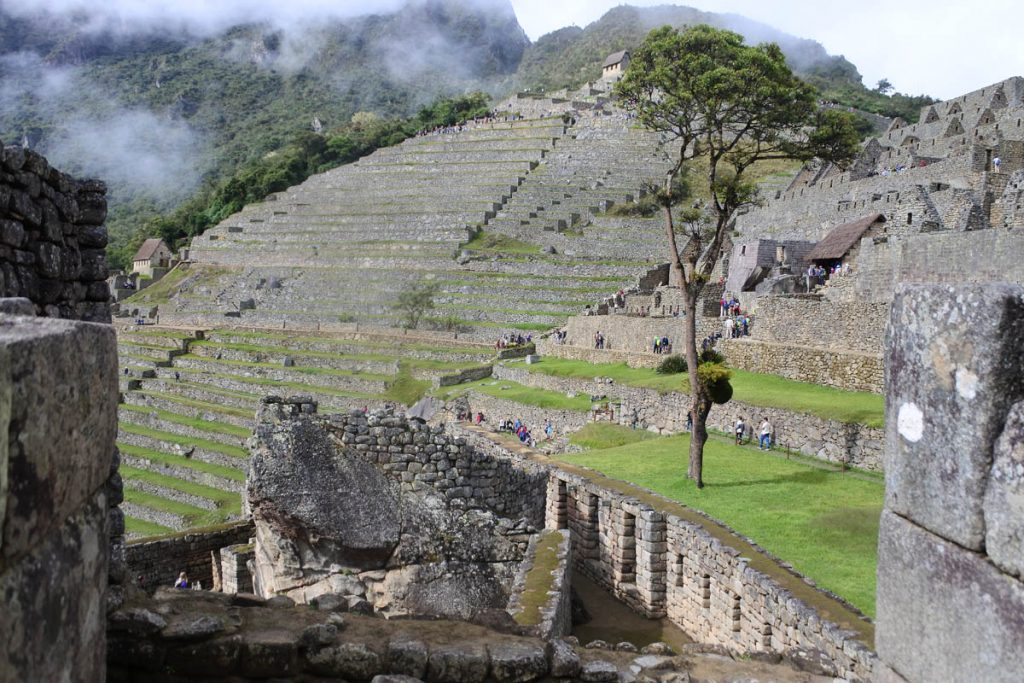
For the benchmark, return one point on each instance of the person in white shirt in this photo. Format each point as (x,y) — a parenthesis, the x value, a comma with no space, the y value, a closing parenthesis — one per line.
(765,443)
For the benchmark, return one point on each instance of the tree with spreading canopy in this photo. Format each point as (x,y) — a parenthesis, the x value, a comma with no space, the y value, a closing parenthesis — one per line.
(728,106)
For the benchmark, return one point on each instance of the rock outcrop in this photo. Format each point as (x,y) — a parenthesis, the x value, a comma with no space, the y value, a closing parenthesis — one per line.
(329,522)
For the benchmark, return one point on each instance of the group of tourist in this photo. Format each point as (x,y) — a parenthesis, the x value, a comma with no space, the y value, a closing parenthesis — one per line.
(764,433)
(817,275)
(736,326)
(510,340)
(560,336)
(728,306)
(523,433)
(662,345)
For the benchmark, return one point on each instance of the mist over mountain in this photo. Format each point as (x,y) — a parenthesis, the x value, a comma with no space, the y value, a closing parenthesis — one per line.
(163,99)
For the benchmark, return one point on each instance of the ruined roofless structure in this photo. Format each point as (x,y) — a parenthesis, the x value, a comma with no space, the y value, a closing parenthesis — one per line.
(951,212)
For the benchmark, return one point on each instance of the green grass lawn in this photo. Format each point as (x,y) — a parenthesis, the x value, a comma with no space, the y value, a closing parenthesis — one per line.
(755,389)
(406,389)
(823,522)
(597,435)
(141,527)
(541,398)
(496,243)
(162,458)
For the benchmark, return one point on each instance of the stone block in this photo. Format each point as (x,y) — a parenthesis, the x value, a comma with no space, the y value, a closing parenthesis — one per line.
(458,663)
(55,593)
(58,401)
(945,613)
(517,662)
(953,363)
(1004,498)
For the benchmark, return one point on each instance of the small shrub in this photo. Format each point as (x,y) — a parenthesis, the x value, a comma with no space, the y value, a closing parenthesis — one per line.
(715,376)
(711,356)
(673,365)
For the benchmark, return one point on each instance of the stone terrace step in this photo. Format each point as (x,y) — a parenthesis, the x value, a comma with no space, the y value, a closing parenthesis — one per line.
(171,423)
(174,444)
(187,407)
(205,392)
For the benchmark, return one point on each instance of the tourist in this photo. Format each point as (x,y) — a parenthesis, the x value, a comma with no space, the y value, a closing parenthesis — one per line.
(657,342)
(182,581)
(765,443)
(479,418)
(689,421)
(665,346)
(549,431)
(730,327)
(634,418)
(741,427)
(996,163)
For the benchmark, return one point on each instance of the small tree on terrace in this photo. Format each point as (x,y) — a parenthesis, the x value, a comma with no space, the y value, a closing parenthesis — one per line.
(728,106)
(415,300)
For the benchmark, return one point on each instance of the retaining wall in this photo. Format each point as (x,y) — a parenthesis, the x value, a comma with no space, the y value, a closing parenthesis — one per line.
(853,444)
(846,370)
(555,613)
(809,321)
(497,409)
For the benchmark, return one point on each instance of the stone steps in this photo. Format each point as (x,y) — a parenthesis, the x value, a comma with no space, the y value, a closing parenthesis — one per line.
(267,354)
(175,443)
(173,424)
(211,412)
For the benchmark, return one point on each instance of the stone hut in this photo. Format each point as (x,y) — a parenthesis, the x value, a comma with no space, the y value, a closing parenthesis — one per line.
(615,65)
(841,243)
(153,254)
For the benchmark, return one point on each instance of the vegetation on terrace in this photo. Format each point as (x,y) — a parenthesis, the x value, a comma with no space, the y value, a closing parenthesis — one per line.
(748,387)
(822,521)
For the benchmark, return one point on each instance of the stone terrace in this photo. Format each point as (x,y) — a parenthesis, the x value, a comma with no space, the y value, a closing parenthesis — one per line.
(339,247)
(189,398)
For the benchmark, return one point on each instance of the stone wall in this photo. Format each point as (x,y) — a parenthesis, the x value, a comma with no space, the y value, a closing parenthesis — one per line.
(950,550)
(851,444)
(661,564)
(810,321)
(633,334)
(553,617)
(939,258)
(589,354)
(423,458)
(497,409)
(847,370)
(52,239)
(152,564)
(58,413)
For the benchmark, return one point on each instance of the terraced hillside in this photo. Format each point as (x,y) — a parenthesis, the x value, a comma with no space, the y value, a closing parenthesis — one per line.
(189,399)
(341,246)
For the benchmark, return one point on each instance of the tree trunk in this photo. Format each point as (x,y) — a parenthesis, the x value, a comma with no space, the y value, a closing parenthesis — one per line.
(700,405)
(675,274)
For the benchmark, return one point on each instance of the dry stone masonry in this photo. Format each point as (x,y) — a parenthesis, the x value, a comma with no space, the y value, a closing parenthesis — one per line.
(52,238)
(950,596)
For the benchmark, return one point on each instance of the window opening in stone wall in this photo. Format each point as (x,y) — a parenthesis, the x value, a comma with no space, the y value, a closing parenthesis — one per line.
(562,506)
(628,548)
(910,218)
(766,636)
(736,612)
(680,570)
(705,591)
(743,250)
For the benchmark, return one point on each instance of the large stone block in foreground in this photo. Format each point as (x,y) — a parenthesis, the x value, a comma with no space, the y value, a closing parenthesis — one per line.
(953,370)
(58,404)
(58,423)
(1004,499)
(945,613)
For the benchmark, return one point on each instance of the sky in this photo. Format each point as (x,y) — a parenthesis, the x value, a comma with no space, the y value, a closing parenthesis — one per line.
(941,48)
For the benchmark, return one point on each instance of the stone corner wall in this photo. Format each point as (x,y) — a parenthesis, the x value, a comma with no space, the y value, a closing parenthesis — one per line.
(555,614)
(58,415)
(52,238)
(951,542)
(152,564)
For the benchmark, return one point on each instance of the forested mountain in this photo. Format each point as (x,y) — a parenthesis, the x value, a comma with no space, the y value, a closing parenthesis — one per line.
(169,111)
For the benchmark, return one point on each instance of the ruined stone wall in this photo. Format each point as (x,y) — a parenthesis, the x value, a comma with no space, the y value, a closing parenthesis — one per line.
(553,618)
(428,458)
(950,550)
(847,370)
(152,564)
(52,239)
(58,418)
(663,565)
